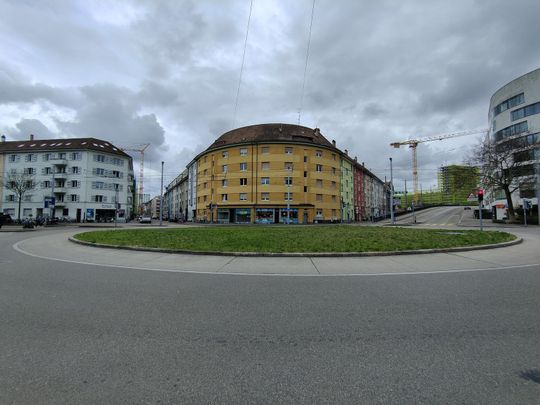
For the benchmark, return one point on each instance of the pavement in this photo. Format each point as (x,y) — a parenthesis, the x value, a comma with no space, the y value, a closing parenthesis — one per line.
(55,246)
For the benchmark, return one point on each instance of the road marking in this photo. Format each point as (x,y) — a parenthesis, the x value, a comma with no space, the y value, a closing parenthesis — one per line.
(412,273)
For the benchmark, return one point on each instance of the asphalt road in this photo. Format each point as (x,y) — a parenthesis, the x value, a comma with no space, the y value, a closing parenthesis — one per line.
(89,334)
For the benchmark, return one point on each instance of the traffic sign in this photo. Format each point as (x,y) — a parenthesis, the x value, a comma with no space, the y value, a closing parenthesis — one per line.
(471,197)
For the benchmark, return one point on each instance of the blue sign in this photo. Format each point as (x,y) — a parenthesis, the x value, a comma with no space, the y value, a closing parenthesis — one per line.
(49,202)
(89,214)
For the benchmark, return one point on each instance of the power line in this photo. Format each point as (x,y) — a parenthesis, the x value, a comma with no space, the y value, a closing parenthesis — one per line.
(242,66)
(306,64)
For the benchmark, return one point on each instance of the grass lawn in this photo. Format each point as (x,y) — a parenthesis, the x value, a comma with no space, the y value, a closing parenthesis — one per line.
(333,238)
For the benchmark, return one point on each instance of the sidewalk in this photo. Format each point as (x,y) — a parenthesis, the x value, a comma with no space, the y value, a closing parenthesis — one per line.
(55,246)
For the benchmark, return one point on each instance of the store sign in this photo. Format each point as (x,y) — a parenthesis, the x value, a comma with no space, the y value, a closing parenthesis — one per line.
(48,202)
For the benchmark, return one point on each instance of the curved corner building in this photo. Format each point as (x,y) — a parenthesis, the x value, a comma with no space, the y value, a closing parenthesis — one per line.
(514,115)
(269,173)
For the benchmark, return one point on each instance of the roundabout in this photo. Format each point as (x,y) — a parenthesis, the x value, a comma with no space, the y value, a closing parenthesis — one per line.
(57,247)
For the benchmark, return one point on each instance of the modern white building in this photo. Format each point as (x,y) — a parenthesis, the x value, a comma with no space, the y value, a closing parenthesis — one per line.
(514,116)
(81,179)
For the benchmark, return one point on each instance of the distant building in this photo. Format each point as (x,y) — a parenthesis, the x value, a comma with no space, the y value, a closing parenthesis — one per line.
(457,182)
(83,179)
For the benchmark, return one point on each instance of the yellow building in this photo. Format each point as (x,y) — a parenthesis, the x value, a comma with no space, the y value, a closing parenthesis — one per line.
(269,173)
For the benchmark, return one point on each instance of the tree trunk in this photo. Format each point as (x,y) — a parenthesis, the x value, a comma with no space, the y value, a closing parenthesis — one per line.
(508,195)
(19,212)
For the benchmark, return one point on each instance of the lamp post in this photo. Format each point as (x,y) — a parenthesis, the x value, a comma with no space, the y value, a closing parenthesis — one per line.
(391,194)
(161,197)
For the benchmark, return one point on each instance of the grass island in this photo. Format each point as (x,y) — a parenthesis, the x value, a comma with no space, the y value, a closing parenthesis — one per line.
(293,239)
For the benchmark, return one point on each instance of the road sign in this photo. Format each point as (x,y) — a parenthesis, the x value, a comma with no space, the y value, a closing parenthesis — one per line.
(471,197)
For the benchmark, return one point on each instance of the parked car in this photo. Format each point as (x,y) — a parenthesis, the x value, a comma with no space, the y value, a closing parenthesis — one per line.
(145,219)
(467,207)
(5,219)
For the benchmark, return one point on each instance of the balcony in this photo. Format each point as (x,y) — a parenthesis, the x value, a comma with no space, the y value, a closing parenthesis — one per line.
(60,175)
(59,162)
(60,190)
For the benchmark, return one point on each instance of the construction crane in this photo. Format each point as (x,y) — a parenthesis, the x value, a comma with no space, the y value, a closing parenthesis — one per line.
(139,148)
(413,143)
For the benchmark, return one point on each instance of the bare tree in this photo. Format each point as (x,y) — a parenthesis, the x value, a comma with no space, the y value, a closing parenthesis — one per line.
(20,184)
(500,168)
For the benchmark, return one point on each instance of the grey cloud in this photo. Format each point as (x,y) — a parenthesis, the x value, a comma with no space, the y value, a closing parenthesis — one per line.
(25,127)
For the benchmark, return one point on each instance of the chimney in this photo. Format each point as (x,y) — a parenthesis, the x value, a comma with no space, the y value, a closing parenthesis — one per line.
(346,152)
(31,137)
(317,131)
(334,142)
(3,138)
(362,163)
(355,159)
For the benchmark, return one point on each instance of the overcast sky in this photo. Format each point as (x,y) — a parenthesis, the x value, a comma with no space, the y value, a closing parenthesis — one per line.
(166,72)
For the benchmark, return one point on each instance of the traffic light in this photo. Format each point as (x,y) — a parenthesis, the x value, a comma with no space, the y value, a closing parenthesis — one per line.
(480,195)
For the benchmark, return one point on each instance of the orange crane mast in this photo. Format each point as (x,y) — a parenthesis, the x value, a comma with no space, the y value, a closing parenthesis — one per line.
(413,143)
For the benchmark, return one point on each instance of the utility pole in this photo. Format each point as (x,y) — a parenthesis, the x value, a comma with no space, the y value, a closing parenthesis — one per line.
(391,194)
(161,197)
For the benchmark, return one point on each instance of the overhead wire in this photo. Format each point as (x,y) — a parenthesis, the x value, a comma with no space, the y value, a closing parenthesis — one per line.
(242,65)
(306,64)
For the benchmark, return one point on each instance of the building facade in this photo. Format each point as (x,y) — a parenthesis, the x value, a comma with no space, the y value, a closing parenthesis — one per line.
(514,116)
(347,188)
(82,179)
(269,173)
(192,191)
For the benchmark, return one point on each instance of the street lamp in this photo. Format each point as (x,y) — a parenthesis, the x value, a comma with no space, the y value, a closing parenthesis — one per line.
(391,194)
(161,197)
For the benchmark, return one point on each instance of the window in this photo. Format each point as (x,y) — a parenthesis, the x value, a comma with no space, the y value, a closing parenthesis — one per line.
(116,173)
(319,183)
(511,130)
(205,185)
(305,174)
(333,170)
(31,157)
(243,167)
(318,153)
(97,184)
(318,197)
(75,170)
(224,183)
(509,103)
(77,156)
(99,171)
(13,158)
(526,111)
(305,159)
(27,212)
(204,198)
(99,158)
(265,180)
(319,213)
(288,166)
(224,197)
(46,157)
(334,213)
(45,184)
(205,173)
(205,159)
(288,196)
(74,197)
(10,197)
(288,150)
(243,181)
(243,196)
(318,168)
(288,181)
(47,170)
(243,151)
(29,170)
(265,150)
(333,156)
(265,196)
(28,197)
(334,184)
(225,169)
(265,165)
(225,154)
(74,183)
(305,189)
(99,198)
(333,198)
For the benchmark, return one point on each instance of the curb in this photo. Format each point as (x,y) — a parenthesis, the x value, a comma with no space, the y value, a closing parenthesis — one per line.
(314,254)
